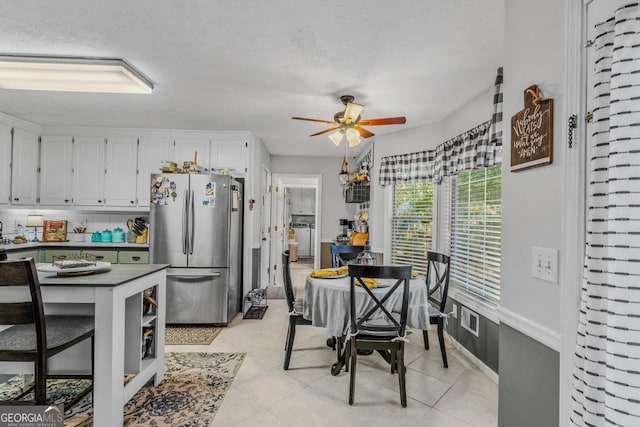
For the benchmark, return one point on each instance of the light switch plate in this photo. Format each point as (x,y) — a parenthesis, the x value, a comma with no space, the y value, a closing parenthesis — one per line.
(544,264)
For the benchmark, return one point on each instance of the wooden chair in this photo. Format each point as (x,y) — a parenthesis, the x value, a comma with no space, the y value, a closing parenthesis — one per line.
(386,331)
(35,337)
(437,280)
(342,254)
(295,309)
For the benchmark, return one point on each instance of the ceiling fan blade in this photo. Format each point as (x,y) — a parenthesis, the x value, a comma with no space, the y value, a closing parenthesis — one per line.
(363,132)
(384,121)
(352,112)
(325,131)
(312,120)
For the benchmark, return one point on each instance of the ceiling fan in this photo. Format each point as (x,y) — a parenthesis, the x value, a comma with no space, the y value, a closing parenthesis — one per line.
(349,123)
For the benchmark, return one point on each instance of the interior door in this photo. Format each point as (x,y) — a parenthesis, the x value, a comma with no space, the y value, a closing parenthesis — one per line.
(265,247)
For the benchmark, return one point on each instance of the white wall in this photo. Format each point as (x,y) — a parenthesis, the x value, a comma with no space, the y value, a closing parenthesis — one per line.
(333,205)
(532,199)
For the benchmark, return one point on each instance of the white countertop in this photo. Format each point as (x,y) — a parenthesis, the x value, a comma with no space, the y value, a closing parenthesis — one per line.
(71,245)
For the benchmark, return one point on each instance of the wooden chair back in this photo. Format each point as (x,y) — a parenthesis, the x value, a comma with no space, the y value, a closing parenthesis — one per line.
(396,325)
(438,269)
(286,279)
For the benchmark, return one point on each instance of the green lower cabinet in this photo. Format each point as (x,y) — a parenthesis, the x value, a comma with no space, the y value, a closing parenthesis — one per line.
(46,255)
(103,255)
(18,255)
(133,257)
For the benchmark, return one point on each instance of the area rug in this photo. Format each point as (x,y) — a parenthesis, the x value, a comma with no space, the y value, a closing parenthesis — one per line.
(191,393)
(190,335)
(255,312)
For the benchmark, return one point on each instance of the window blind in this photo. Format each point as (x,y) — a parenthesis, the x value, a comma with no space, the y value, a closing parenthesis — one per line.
(475,231)
(411,228)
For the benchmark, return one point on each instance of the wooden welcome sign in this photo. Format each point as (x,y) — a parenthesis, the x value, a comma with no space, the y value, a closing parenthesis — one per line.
(532,132)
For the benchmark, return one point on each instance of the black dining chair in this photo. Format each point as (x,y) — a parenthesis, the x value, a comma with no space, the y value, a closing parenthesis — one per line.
(342,254)
(380,328)
(295,309)
(35,337)
(437,280)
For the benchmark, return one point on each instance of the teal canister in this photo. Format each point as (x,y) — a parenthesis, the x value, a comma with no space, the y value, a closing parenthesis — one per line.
(96,237)
(118,235)
(106,236)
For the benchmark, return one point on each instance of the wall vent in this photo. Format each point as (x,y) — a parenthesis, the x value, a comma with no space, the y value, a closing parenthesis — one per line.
(470,320)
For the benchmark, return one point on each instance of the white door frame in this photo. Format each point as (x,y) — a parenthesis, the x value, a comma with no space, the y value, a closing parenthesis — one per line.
(266,224)
(279,182)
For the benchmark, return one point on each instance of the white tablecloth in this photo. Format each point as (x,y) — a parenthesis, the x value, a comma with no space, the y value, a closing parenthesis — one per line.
(326,303)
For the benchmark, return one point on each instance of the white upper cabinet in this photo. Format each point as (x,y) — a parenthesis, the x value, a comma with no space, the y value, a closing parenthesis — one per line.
(308,202)
(121,166)
(89,171)
(187,145)
(5,164)
(230,152)
(24,168)
(151,151)
(56,170)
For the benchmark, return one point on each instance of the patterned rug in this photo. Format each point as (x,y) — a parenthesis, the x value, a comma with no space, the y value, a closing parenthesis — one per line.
(191,393)
(190,335)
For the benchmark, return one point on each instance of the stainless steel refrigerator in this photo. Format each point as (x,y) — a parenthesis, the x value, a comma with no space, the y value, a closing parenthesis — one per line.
(195,226)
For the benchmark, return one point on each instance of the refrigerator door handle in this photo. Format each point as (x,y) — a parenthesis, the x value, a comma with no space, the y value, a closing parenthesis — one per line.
(185,221)
(192,221)
(194,277)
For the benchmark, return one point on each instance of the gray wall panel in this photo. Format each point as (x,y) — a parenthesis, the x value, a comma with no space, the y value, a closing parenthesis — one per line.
(528,391)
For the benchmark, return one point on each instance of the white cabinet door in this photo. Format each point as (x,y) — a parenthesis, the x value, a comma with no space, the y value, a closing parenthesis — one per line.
(56,170)
(308,201)
(230,152)
(187,145)
(296,200)
(151,151)
(5,164)
(120,176)
(24,170)
(88,167)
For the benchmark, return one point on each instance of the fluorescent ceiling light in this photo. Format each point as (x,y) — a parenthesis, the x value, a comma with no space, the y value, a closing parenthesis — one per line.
(71,74)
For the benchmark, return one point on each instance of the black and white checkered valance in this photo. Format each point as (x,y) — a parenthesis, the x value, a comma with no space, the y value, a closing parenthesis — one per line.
(479,147)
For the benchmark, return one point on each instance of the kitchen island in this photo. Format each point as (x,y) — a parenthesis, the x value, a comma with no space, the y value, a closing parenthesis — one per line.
(116,299)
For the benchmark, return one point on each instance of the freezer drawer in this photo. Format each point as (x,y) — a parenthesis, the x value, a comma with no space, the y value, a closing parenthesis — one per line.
(197,296)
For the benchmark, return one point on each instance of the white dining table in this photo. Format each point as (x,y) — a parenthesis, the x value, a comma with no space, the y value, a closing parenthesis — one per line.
(326,303)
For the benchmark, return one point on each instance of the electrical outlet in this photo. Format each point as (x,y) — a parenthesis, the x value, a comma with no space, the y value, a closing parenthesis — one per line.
(544,264)
(454,308)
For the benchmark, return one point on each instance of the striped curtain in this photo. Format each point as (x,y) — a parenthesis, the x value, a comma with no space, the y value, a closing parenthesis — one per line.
(606,374)
(479,147)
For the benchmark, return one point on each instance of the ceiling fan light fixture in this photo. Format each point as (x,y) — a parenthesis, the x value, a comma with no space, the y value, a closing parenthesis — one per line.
(352,112)
(71,74)
(353,137)
(336,137)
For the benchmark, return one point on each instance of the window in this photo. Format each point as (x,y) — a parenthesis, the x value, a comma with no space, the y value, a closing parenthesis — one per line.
(411,227)
(475,229)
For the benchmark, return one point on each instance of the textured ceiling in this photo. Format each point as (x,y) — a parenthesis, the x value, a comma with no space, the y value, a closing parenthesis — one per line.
(251,64)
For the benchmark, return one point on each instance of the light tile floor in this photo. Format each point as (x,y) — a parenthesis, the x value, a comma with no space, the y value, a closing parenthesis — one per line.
(264,394)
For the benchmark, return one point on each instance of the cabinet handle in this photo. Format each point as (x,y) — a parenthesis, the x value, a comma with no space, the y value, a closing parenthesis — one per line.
(16,200)
(99,256)
(99,201)
(135,258)
(66,200)
(131,202)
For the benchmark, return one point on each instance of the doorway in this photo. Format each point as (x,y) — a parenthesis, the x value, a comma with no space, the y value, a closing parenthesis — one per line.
(296,208)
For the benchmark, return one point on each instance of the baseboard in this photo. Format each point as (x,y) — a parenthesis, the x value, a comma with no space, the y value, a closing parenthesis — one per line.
(473,359)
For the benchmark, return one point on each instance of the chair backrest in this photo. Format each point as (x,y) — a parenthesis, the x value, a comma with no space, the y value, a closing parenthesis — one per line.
(342,254)
(17,274)
(387,324)
(438,267)
(286,279)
